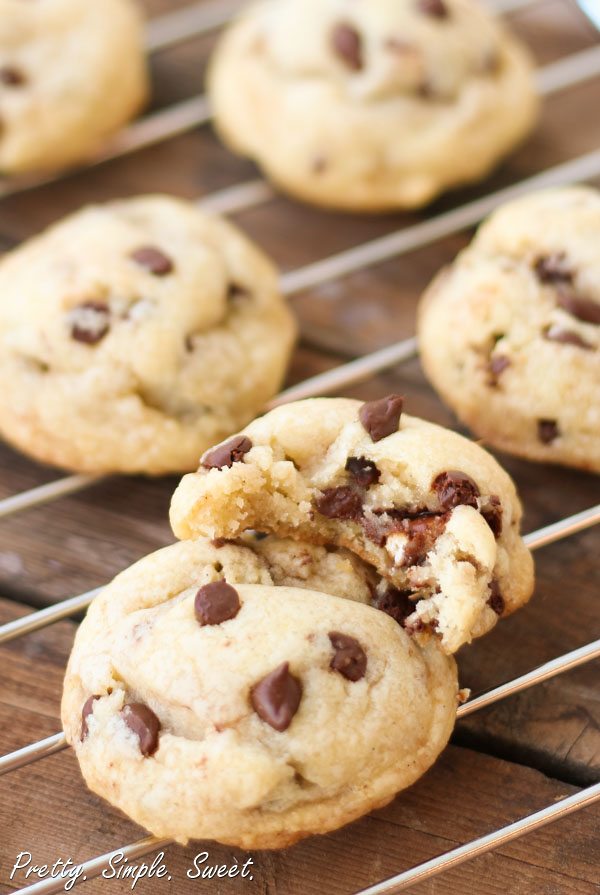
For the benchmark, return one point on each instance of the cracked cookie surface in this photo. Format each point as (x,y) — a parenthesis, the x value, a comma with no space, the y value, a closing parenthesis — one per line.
(510,333)
(207,710)
(432,512)
(371,106)
(71,73)
(135,334)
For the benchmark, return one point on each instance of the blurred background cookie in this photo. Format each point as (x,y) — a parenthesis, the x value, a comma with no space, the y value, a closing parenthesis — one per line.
(71,73)
(135,334)
(371,106)
(212,711)
(510,333)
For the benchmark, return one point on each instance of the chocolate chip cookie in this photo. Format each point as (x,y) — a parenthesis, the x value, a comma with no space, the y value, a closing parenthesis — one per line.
(135,334)
(71,73)
(207,700)
(432,512)
(371,106)
(510,333)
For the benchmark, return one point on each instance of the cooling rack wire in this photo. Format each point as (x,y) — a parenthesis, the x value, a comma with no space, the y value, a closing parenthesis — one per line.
(192,22)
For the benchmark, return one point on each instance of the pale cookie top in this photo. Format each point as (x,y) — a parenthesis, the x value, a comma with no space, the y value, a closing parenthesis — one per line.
(134,335)
(386,96)
(71,72)
(248,713)
(510,333)
(433,512)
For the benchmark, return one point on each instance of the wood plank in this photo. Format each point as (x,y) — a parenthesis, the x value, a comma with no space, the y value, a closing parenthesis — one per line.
(45,809)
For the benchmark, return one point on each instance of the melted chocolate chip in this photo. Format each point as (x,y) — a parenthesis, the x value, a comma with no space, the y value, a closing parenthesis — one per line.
(226,454)
(496,600)
(435,8)
(86,711)
(422,532)
(363,471)
(564,336)
(90,322)
(346,42)
(276,698)
(396,603)
(144,724)
(582,308)
(381,418)
(155,261)
(350,658)
(11,76)
(492,513)
(548,431)
(553,268)
(340,503)
(216,603)
(455,489)
(497,365)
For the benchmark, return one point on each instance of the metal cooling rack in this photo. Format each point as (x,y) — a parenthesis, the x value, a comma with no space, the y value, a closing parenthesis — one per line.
(186,24)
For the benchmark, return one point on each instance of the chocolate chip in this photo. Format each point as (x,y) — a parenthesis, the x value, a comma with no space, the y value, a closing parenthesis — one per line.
(548,431)
(319,164)
(216,603)
(553,268)
(381,418)
(144,724)
(347,44)
(340,503)
(226,454)
(582,308)
(363,471)
(90,322)
(235,291)
(350,658)
(564,336)
(492,513)
(496,600)
(276,698)
(86,711)
(153,260)
(497,365)
(435,8)
(395,603)
(422,532)
(455,489)
(11,76)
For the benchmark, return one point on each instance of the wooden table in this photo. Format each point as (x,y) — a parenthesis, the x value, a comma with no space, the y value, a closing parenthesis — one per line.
(503,763)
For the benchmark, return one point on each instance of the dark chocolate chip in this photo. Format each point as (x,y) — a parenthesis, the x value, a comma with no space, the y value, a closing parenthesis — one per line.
(496,600)
(435,8)
(90,322)
(492,513)
(155,261)
(216,603)
(548,431)
(347,44)
(276,698)
(396,603)
(497,365)
(226,454)
(553,268)
(11,76)
(381,418)
(363,471)
(422,533)
(556,333)
(86,711)
(144,723)
(340,503)
(350,658)
(455,489)
(582,308)
(235,291)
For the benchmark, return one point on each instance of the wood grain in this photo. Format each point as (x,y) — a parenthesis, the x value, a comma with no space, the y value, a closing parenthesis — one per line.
(495,770)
